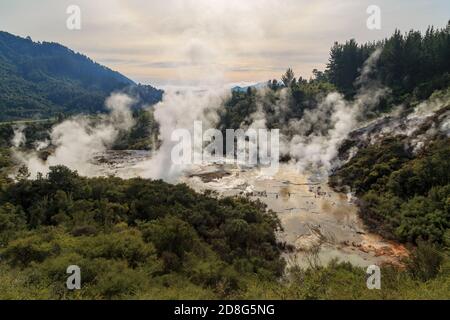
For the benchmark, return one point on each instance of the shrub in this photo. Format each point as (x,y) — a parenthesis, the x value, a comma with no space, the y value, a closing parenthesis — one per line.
(425,261)
(22,252)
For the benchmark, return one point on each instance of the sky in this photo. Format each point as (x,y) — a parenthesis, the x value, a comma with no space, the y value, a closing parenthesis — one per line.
(196,42)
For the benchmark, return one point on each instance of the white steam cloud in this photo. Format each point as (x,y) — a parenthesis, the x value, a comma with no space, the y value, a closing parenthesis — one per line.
(179,110)
(312,142)
(315,138)
(18,138)
(77,140)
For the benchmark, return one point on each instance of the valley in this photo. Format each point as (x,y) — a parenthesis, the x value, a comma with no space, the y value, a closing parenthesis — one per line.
(361,148)
(319,223)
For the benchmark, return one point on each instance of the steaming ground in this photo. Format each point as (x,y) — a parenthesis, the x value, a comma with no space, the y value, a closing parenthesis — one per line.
(320,223)
(77,140)
(313,141)
(314,217)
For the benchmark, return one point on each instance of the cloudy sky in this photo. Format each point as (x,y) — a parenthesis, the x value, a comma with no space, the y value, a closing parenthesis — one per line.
(191,42)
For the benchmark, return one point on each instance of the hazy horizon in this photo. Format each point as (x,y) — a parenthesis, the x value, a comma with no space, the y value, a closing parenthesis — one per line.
(188,43)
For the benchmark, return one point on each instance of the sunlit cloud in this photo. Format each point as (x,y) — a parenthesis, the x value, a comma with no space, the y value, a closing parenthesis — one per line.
(187,41)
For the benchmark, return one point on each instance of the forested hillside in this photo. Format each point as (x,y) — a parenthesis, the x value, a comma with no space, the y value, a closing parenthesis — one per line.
(403,196)
(409,66)
(412,65)
(40,80)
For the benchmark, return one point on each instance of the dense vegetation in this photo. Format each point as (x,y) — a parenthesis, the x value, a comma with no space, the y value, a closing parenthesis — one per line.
(33,132)
(278,105)
(143,135)
(403,196)
(40,80)
(413,65)
(124,233)
(151,240)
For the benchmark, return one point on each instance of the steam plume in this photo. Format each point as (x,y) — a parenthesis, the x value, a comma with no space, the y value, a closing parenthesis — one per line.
(76,140)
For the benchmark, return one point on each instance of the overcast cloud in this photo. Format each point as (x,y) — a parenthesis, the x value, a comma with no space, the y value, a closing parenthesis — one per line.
(175,42)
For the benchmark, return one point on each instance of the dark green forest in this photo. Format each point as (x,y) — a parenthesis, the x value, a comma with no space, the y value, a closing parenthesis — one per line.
(42,80)
(412,65)
(403,196)
(130,230)
(151,240)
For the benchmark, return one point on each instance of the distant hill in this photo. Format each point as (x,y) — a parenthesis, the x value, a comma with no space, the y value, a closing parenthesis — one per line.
(40,80)
(259,85)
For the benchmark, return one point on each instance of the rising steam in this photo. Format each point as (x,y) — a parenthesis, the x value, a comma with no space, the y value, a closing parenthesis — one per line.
(179,110)
(77,140)
(314,139)
(18,138)
(311,142)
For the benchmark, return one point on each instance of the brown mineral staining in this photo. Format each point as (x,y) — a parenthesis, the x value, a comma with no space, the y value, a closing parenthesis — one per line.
(326,206)
(285,192)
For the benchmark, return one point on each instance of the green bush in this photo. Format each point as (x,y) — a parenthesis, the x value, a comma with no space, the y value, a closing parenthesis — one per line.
(425,261)
(126,245)
(118,281)
(22,252)
(12,220)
